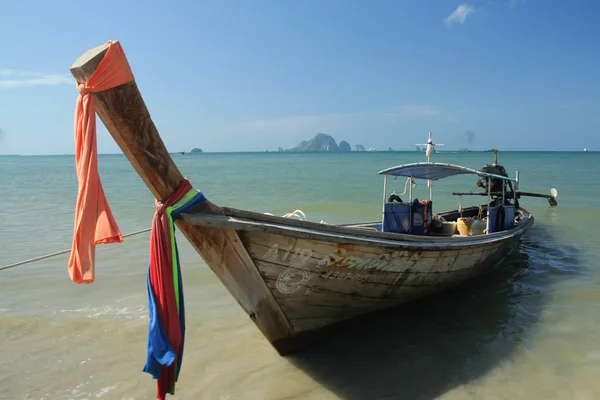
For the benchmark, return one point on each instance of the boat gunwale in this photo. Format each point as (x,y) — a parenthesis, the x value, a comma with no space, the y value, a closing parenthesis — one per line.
(347,228)
(253,221)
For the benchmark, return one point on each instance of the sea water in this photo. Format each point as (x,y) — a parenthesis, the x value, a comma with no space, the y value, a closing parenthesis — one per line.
(528,329)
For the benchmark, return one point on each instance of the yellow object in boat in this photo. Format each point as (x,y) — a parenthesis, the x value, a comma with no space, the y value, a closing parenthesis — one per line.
(464,225)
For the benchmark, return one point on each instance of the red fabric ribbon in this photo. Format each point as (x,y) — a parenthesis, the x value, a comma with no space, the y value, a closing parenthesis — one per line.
(161,280)
(425,216)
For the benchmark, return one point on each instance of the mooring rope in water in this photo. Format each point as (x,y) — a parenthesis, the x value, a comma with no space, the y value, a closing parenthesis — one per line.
(61,252)
(297,213)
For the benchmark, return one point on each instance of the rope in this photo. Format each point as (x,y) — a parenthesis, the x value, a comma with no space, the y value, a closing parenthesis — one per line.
(405,187)
(60,252)
(406,184)
(298,214)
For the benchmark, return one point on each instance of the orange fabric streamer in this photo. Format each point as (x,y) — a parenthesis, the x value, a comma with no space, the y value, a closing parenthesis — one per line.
(94,221)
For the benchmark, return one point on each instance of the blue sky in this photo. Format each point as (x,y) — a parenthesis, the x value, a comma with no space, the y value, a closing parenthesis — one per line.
(254,75)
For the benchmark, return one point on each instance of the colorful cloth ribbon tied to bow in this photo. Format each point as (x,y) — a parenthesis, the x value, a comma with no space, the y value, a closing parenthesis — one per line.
(166,328)
(94,222)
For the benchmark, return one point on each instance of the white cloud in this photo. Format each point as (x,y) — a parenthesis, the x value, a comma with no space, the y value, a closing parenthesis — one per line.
(416,110)
(507,3)
(514,3)
(10,79)
(369,127)
(322,121)
(298,121)
(460,14)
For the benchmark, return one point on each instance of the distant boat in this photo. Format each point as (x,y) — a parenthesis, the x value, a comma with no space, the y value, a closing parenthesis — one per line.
(585,150)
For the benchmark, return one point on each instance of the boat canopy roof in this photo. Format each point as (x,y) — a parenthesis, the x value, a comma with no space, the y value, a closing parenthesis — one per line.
(435,171)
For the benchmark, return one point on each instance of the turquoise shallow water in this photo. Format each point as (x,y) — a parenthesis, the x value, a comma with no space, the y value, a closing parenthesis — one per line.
(527,330)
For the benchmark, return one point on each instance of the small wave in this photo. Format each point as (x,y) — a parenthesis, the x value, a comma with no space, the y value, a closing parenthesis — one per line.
(103,391)
(79,393)
(134,308)
(128,312)
(552,256)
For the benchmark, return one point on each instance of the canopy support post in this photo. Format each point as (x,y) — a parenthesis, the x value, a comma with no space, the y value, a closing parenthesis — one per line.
(384,198)
(516,187)
(489,202)
(410,204)
(430,191)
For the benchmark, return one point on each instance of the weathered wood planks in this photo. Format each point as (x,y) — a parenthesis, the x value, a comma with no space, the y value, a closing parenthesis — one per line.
(316,283)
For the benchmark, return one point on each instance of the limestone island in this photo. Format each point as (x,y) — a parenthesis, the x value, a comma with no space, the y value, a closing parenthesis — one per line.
(321,143)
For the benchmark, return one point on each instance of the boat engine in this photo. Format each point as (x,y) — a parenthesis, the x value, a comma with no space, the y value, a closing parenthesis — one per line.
(496,183)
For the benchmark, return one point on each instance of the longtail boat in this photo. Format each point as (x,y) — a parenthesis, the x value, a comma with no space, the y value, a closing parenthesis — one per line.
(296,278)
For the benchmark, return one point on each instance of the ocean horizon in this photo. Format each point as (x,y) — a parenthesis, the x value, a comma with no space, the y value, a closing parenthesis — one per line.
(187,152)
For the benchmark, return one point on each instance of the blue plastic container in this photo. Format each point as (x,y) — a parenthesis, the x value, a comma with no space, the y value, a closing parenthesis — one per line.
(509,218)
(491,223)
(396,217)
(421,219)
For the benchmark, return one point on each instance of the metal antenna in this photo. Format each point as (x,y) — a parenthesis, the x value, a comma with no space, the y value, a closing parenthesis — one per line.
(429,147)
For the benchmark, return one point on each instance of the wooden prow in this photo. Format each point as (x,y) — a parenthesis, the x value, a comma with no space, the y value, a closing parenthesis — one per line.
(123,112)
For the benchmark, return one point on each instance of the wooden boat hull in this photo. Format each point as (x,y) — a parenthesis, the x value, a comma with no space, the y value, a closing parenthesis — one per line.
(321,275)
